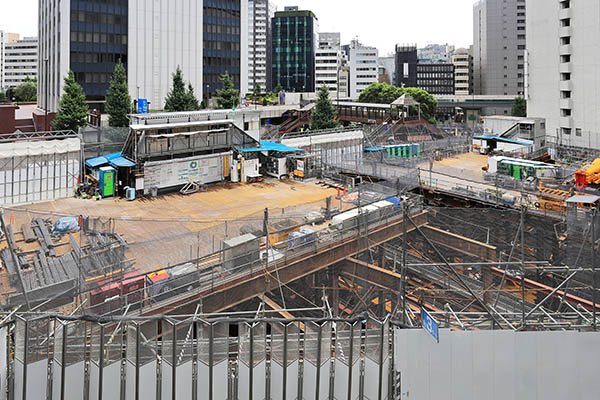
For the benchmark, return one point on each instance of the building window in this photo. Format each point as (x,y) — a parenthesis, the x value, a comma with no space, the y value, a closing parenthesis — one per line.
(578,132)
(565,112)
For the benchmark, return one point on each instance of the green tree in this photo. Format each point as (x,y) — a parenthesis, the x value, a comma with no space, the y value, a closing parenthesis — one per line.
(228,97)
(72,110)
(323,115)
(177,99)
(10,94)
(26,91)
(3,98)
(278,88)
(384,93)
(428,103)
(257,92)
(118,101)
(380,93)
(192,101)
(519,108)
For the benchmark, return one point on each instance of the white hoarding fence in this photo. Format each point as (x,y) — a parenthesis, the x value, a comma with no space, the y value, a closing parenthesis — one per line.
(39,170)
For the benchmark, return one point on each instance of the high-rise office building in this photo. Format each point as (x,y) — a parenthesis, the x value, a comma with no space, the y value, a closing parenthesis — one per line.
(463,70)
(563,47)
(295,41)
(204,38)
(330,65)
(406,65)
(20,61)
(364,68)
(260,13)
(499,41)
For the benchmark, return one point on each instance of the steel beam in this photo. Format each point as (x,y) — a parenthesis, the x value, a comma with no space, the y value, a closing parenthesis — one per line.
(233,293)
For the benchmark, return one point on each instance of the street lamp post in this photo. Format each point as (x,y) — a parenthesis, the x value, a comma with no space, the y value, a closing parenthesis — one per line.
(207,95)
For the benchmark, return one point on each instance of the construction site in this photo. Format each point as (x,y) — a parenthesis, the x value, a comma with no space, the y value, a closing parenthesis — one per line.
(378,261)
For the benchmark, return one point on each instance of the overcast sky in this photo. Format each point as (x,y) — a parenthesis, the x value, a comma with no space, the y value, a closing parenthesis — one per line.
(380,23)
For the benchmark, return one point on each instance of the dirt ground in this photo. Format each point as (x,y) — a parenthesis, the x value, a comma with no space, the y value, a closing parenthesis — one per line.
(171,229)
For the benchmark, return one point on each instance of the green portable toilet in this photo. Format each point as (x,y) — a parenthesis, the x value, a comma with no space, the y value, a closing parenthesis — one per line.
(516,171)
(107,181)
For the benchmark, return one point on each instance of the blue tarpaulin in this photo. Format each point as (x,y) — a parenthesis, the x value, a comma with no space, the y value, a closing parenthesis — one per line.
(265,145)
(114,160)
(66,224)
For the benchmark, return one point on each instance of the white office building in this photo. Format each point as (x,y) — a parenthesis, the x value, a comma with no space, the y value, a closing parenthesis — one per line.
(151,38)
(387,69)
(563,43)
(363,63)
(463,70)
(20,61)
(260,13)
(330,65)
(5,38)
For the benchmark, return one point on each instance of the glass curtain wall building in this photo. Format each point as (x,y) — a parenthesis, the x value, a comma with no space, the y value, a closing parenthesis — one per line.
(222,34)
(295,39)
(98,40)
(205,38)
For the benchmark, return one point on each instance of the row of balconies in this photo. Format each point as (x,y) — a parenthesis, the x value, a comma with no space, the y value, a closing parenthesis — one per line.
(565,32)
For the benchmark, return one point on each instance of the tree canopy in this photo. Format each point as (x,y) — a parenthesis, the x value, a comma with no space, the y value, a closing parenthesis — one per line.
(118,101)
(192,101)
(324,113)
(72,110)
(257,92)
(26,91)
(180,99)
(228,97)
(384,93)
(519,108)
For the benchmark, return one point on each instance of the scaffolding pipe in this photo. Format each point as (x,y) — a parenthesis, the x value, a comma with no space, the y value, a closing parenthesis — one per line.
(454,273)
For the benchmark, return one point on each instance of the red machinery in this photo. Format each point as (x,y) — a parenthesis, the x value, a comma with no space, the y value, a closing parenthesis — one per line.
(589,174)
(111,295)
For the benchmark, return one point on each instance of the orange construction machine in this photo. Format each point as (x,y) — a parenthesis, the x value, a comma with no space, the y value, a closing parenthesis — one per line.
(589,174)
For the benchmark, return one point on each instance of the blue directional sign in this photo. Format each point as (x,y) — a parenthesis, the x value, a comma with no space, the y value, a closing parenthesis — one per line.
(430,325)
(142,106)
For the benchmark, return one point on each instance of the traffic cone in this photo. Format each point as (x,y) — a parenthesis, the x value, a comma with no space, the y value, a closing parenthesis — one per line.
(338,193)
